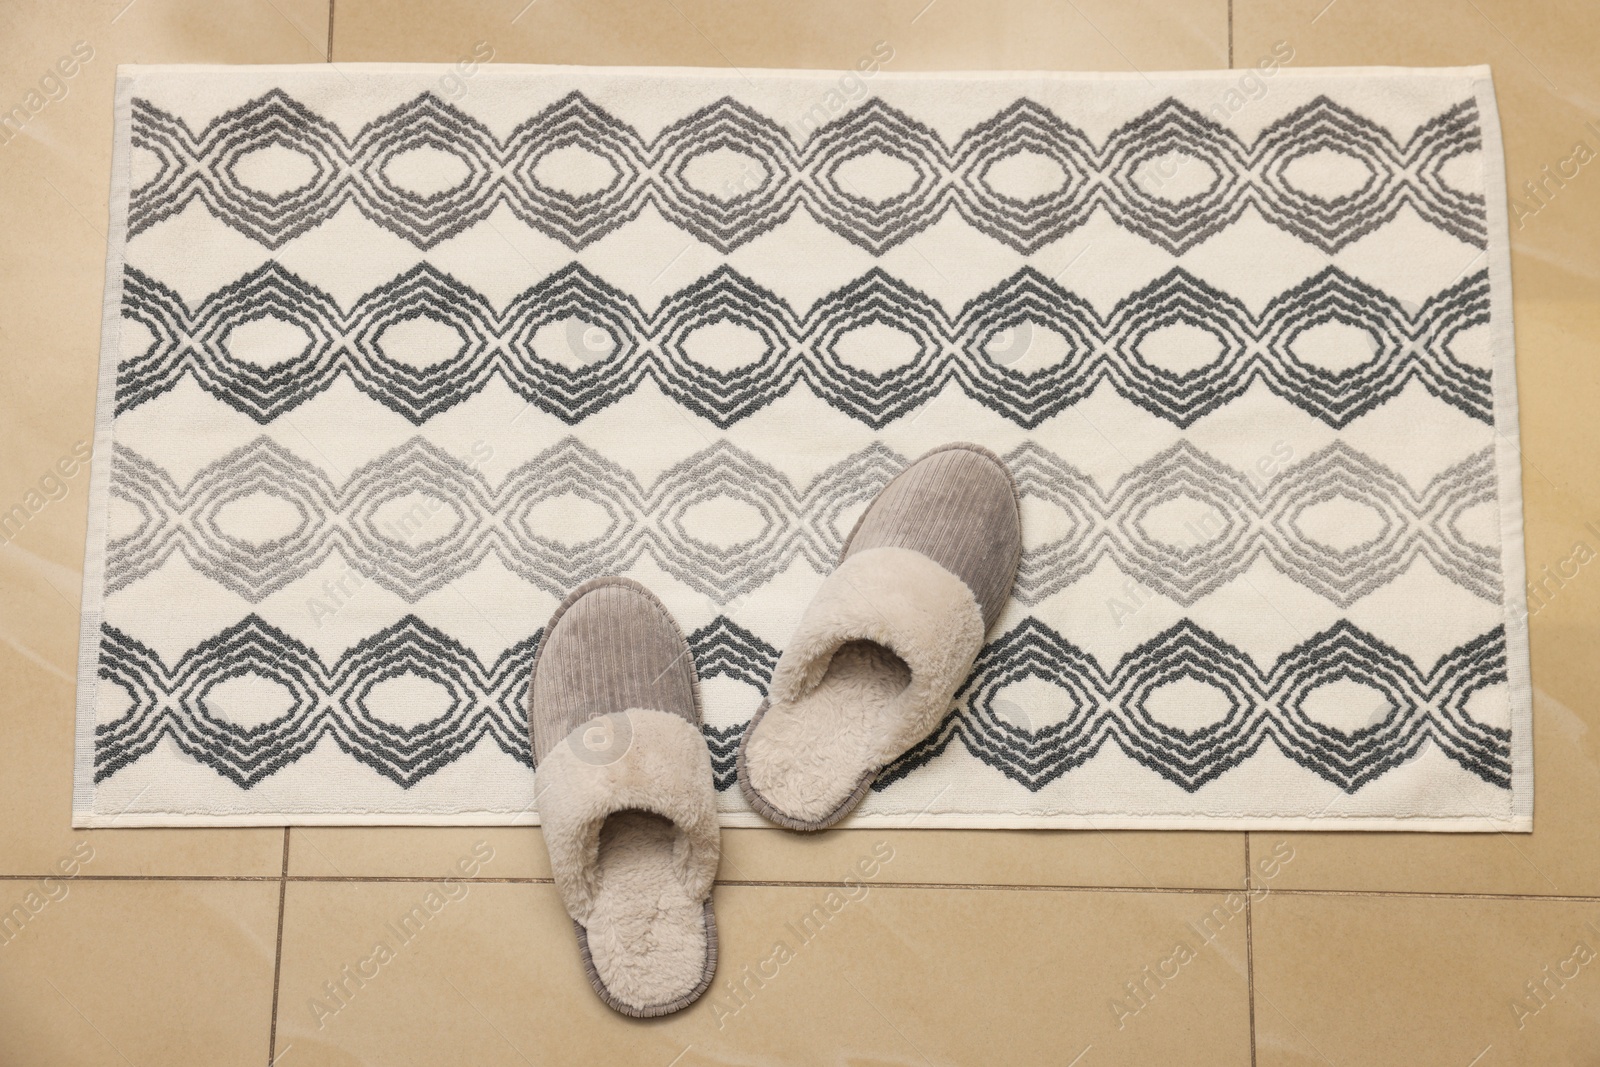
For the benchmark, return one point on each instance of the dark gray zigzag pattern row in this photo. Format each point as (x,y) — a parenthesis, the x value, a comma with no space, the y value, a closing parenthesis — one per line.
(1406,345)
(787,177)
(488,703)
(1264,706)
(376,523)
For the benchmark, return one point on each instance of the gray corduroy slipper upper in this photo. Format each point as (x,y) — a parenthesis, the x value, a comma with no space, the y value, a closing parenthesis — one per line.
(626,795)
(888,639)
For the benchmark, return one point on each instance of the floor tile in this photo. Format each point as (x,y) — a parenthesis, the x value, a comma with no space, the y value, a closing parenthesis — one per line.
(1136,859)
(417,852)
(1094,36)
(56,174)
(181,972)
(892,976)
(977,857)
(1545,84)
(120,973)
(1385,980)
(1561,856)
(1540,59)
(923,35)
(36,831)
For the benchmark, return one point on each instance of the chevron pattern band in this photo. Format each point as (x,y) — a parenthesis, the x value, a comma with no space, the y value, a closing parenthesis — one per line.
(488,703)
(356,170)
(803,349)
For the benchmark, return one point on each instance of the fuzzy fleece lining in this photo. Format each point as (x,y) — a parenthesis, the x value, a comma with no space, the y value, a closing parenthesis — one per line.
(870,671)
(634,846)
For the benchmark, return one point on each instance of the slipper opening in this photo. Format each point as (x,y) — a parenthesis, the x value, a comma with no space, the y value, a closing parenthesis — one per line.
(646,935)
(810,755)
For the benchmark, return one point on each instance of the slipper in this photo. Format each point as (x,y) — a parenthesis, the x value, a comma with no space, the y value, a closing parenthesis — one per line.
(888,639)
(626,795)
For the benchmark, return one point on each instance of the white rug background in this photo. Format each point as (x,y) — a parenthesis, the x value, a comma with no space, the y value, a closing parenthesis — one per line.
(183,522)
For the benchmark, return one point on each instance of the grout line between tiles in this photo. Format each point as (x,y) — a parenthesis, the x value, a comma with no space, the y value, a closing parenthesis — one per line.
(976,886)
(144,877)
(1249,926)
(1230,67)
(798,883)
(330,29)
(1437,895)
(419,878)
(277,953)
(383,879)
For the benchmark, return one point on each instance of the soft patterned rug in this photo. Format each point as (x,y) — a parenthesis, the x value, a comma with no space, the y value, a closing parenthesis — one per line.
(393,359)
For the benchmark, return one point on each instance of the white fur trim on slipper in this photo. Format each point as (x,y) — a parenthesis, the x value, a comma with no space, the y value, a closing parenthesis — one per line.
(665,769)
(871,670)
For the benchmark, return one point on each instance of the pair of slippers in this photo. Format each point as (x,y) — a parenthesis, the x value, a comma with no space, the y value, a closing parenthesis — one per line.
(625,787)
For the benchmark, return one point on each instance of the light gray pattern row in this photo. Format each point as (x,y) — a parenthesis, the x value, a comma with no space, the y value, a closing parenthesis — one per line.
(416,518)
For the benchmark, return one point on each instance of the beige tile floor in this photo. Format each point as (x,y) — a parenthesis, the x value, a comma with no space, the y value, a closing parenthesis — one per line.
(218,947)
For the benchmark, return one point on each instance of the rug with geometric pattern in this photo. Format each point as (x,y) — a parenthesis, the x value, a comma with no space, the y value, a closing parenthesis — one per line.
(395,356)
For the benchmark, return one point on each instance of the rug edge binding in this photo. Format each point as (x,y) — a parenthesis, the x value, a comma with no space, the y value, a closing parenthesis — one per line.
(1507,455)
(93,603)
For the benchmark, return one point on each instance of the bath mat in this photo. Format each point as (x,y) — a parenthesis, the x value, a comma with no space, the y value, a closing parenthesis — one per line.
(394,357)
